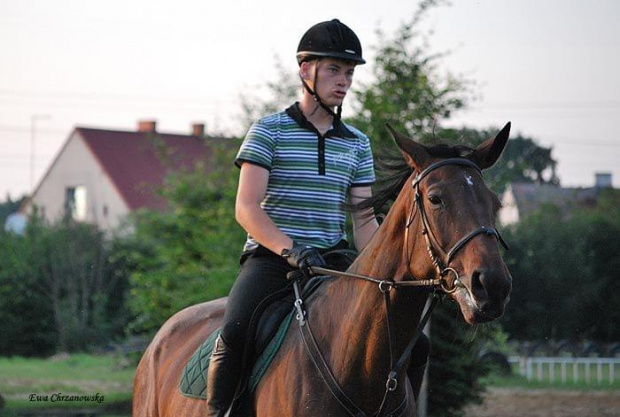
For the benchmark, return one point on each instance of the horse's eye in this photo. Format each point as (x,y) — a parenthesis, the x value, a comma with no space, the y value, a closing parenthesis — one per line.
(436,201)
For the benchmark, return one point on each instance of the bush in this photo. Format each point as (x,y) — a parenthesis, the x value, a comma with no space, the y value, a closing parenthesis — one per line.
(58,289)
(27,325)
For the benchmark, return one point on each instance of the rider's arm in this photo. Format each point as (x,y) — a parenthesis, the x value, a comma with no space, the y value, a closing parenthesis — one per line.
(249,214)
(364,222)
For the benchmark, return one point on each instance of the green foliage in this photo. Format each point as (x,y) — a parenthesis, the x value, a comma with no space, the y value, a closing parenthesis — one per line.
(59,289)
(523,160)
(565,274)
(27,325)
(189,253)
(455,371)
(407,91)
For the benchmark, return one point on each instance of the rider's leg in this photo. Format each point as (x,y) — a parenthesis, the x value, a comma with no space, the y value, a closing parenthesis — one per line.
(259,277)
(222,379)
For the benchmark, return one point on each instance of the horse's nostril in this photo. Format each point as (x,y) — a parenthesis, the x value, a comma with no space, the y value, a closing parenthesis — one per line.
(490,292)
(477,285)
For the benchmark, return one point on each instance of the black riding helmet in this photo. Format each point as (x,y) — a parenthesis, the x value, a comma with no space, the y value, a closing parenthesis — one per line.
(330,39)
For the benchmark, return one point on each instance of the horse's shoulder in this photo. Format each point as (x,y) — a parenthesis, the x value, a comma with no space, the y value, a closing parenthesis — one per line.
(201,311)
(194,316)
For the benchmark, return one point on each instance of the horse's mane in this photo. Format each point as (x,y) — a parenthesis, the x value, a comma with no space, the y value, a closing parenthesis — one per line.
(393,172)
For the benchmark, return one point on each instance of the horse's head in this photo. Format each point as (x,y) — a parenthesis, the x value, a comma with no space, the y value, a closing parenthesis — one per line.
(455,214)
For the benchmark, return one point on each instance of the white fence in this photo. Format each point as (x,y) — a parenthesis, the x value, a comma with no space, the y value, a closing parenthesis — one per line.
(568,370)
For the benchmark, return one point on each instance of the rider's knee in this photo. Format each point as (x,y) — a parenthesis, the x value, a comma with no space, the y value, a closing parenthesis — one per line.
(234,336)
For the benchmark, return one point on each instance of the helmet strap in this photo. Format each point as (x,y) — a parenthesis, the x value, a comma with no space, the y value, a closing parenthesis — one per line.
(336,115)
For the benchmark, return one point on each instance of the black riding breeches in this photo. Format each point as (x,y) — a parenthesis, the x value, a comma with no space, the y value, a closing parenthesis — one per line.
(261,276)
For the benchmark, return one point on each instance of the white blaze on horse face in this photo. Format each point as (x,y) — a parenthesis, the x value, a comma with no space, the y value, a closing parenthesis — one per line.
(468,179)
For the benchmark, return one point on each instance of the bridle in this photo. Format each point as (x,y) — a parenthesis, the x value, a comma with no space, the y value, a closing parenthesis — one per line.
(437,285)
(442,263)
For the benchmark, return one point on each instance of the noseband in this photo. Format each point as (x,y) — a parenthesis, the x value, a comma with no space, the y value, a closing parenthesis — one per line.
(442,263)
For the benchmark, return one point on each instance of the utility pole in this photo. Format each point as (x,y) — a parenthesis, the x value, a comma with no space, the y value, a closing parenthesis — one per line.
(33,122)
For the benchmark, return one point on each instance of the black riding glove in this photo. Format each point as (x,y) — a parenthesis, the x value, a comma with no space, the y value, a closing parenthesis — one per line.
(303,257)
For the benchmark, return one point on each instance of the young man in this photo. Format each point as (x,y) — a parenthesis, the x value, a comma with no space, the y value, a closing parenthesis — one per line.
(297,170)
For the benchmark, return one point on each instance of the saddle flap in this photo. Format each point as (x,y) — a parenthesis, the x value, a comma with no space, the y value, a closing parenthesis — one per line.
(272,328)
(194,377)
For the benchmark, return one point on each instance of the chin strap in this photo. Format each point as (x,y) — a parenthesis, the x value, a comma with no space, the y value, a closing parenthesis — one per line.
(337,114)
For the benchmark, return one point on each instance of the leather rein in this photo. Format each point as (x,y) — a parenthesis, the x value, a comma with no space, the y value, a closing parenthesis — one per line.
(439,287)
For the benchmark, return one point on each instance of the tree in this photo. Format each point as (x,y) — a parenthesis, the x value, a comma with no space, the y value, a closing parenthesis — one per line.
(455,369)
(189,253)
(565,274)
(407,90)
(523,160)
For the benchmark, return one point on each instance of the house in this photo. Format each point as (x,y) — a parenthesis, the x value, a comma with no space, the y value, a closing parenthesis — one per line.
(100,175)
(522,199)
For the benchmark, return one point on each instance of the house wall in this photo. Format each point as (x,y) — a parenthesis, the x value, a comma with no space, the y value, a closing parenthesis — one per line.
(509,213)
(76,166)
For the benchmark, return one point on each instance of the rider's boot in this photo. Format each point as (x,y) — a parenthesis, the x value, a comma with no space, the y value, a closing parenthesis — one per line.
(222,380)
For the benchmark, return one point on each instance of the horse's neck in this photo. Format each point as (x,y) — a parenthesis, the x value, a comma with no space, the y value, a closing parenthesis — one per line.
(353,312)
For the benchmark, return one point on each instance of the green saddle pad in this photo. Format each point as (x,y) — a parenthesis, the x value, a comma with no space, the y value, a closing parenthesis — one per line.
(194,377)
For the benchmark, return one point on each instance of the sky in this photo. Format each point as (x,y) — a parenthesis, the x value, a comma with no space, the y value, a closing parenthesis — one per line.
(551,67)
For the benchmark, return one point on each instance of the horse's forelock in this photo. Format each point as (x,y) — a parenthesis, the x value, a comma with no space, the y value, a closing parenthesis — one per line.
(393,171)
(446,151)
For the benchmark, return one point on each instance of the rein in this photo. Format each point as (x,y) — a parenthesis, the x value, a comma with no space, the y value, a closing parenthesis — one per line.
(442,265)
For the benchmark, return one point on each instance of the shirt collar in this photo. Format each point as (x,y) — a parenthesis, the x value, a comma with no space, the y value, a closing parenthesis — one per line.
(338,129)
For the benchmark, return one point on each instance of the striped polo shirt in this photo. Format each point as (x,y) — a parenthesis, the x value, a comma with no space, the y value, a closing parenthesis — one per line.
(310,174)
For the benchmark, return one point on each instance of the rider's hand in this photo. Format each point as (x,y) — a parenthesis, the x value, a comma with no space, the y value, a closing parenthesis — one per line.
(303,257)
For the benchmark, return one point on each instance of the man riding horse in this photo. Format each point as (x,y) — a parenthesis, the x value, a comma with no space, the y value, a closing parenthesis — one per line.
(298,169)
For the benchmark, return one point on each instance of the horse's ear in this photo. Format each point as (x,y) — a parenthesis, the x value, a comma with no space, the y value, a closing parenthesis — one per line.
(415,154)
(488,152)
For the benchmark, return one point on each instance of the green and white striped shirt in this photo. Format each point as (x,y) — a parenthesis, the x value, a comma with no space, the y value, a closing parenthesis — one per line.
(310,175)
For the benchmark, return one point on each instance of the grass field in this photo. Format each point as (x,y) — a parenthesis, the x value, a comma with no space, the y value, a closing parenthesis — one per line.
(66,381)
(58,382)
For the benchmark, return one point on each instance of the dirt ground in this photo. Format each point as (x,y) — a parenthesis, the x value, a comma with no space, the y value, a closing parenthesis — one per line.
(502,402)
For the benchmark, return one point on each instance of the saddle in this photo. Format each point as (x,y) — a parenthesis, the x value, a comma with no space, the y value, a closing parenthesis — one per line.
(271,321)
(280,304)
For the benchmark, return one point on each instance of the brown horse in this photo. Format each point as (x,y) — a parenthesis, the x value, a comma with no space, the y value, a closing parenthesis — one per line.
(444,209)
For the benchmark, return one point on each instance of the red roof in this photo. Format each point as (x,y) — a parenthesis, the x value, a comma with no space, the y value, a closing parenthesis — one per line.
(138,162)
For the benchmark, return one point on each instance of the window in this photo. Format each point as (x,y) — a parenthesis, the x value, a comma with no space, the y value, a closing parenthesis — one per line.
(76,203)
